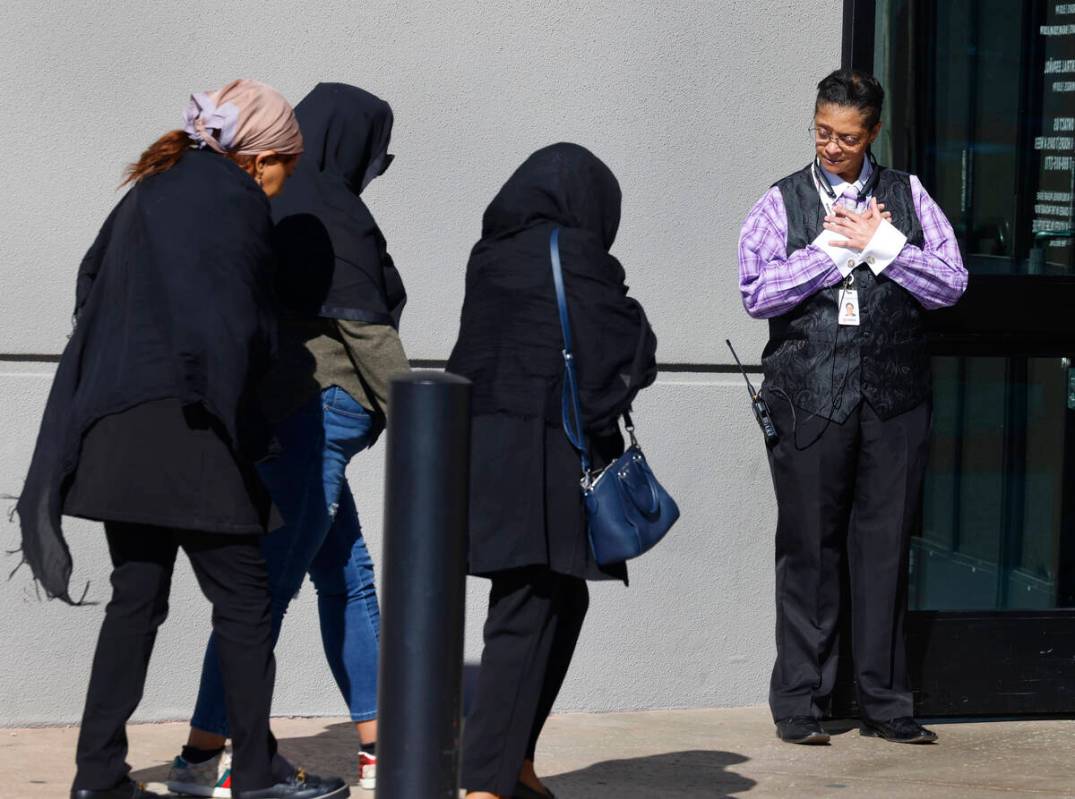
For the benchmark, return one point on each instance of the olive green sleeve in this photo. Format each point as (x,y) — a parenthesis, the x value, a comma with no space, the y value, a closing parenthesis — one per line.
(377,354)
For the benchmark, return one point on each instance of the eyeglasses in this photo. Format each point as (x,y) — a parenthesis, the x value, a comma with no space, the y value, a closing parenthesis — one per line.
(843,140)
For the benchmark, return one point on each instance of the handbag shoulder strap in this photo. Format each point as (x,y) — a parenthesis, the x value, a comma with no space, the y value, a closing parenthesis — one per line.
(572,406)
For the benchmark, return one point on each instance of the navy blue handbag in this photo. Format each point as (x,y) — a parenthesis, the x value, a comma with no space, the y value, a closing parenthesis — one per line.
(627,510)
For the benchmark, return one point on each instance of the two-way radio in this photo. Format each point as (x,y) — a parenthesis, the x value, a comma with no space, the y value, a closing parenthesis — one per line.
(758,405)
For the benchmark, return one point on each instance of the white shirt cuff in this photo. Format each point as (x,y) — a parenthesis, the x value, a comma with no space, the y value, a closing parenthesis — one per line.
(884,247)
(846,260)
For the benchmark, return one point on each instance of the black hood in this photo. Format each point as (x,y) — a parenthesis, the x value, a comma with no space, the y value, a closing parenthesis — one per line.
(346,131)
(564,184)
(333,259)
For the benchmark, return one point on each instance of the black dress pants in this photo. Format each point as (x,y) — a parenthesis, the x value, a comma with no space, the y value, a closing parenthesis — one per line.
(232,574)
(855,492)
(534,621)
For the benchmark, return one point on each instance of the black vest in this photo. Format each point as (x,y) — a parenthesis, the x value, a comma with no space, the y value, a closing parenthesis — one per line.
(828,368)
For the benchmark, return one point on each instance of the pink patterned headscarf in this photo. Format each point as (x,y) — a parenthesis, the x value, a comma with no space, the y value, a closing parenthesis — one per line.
(244,118)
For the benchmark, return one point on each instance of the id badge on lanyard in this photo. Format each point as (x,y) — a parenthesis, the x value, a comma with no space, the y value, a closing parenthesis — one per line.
(848,300)
(848,297)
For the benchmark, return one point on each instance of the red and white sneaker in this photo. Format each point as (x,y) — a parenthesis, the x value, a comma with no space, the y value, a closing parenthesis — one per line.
(367,771)
(211,779)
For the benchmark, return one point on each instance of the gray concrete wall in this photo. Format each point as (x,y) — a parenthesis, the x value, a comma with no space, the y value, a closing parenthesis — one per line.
(696,106)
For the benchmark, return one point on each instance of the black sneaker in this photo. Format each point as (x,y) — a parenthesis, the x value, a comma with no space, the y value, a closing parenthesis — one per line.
(301,785)
(801,730)
(125,790)
(904,730)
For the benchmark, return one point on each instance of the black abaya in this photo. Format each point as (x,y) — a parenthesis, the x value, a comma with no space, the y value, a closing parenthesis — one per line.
(526,503)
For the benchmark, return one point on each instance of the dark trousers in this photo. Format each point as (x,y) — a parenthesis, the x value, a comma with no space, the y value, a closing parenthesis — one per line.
(853,493)
(231,573)
(534,621)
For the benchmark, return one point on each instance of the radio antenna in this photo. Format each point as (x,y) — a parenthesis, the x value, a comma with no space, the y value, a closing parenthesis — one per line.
(750,386)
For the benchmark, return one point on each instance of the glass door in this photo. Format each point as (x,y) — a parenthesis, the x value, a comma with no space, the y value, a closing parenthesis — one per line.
(998,507)
(981,106)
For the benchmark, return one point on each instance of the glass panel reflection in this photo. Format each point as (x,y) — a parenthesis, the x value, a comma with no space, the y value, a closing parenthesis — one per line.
(997,524)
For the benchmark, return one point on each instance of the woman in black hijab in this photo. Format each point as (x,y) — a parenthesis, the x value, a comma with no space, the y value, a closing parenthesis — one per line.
(527,522)
(151,426)
(327,396)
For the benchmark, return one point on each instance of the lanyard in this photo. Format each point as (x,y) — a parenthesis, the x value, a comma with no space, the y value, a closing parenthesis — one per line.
(829,197)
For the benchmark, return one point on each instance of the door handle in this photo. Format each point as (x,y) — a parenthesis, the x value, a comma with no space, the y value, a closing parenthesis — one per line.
(1065,363)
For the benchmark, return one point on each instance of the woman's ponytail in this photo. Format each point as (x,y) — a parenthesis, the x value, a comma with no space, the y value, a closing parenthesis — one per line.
(159,157)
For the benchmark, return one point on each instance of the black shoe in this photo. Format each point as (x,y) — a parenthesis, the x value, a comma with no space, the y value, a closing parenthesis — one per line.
(125,790)
(801,730)
(904,730)
(524,791)
(301,785)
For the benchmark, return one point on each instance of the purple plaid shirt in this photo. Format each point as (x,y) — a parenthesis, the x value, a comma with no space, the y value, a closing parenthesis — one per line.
(773,282)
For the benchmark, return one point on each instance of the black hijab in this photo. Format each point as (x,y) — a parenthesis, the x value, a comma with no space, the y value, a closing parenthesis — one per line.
(510,341)
(173,300)
(334,262)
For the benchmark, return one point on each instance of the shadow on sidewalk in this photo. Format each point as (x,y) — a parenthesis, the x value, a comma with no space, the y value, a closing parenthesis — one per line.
(691,775)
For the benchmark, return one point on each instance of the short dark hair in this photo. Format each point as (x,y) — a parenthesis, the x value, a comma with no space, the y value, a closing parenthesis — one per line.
(850,87)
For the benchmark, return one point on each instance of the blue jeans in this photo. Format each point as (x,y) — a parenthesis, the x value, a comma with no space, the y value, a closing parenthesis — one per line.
(322,537)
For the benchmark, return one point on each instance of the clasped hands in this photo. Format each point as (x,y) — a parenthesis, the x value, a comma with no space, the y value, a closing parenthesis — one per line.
(857,229)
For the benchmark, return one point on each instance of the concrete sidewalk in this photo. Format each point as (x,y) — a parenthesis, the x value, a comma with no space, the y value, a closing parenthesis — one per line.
(681,753)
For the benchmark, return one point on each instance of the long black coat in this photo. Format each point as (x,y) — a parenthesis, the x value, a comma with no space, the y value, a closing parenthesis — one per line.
(526,503)
(174,301)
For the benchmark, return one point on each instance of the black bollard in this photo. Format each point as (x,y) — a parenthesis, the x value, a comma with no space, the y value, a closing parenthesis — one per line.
(423,588)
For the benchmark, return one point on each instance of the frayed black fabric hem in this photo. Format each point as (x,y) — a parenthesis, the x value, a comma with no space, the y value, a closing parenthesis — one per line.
(65,597)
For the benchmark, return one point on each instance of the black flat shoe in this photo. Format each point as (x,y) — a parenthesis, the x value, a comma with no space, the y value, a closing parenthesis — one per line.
(801,730)
(125,790)
(523,791)
(904,730)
